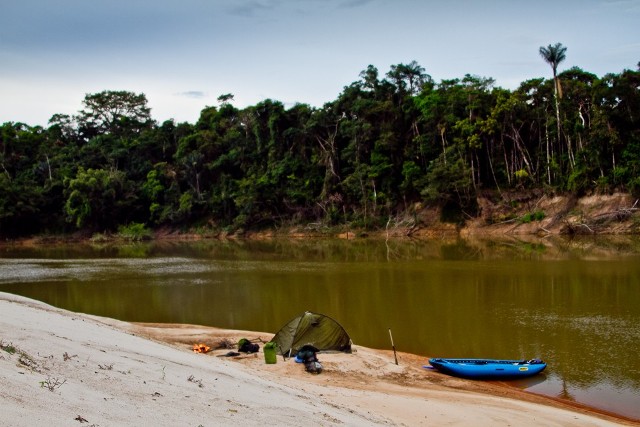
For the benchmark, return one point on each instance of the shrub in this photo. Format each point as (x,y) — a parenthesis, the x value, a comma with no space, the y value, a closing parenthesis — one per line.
(134,232)
(532,216)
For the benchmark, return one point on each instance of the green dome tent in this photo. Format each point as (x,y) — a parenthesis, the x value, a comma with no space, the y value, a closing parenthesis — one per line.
(315,329)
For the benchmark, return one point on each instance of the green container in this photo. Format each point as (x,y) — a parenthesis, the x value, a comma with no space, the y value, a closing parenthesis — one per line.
(270,353)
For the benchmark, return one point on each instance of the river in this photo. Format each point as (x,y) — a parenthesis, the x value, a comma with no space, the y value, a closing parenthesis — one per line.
(573,303)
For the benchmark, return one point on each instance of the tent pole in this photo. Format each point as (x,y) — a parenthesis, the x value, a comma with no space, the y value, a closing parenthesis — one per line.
(395,356)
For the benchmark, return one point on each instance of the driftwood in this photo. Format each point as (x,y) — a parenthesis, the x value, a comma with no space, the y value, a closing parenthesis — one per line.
(619,214)
(408,226)
(598,220)
(578,228)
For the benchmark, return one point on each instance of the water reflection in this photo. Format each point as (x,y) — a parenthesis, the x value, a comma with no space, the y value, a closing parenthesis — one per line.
(575,304)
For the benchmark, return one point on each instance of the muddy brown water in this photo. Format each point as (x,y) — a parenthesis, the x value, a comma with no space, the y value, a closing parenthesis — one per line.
(573,303)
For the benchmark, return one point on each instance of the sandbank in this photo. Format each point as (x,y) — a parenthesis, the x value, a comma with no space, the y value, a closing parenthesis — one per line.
(63,368)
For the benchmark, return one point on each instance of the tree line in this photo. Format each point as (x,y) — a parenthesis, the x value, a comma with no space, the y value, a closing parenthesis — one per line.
(386,143)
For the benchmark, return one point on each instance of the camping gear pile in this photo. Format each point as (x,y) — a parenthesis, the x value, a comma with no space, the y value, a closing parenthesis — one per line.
(304,336)
(308,334)
(314,329)
(301,338)
(246,346)
(308,356)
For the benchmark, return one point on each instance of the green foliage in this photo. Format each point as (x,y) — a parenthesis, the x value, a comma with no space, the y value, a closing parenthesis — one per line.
(9,348)
(449,180)
(532,216)
(100,238)
(94,197)
(114,112)
(387,142)
(134,232)
(633,186)
(521,174)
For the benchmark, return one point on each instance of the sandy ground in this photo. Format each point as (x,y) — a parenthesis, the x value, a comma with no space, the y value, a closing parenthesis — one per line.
(66,369)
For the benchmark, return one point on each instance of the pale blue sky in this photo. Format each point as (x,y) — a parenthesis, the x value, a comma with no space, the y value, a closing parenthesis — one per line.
(184,54)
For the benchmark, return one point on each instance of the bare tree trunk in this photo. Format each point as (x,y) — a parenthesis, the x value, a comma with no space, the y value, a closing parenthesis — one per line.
(572,160)
(444,144)
(198,185)
(546,135)
(473,170)
(557,100)
(522,149)
(328,146)
(6,172)
(493,173)
(506,160)
(49,167)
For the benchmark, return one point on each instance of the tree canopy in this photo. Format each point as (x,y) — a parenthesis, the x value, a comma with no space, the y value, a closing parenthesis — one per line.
(387,142)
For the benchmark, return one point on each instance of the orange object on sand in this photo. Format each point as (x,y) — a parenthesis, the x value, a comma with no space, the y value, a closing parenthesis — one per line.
(201,348)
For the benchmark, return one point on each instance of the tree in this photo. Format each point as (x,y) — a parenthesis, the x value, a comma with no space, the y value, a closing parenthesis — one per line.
(225,98)
(554,55)
(411,75)
(97,198)
(114,112)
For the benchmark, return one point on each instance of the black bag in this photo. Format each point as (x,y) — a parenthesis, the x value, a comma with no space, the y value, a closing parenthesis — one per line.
(313,367)
(246,346)
(307,353)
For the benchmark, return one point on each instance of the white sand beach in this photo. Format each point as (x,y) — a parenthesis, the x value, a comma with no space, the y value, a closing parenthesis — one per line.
(64,369)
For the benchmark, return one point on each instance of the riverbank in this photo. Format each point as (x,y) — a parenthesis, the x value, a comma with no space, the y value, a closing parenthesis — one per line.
(64,368)
(515,214)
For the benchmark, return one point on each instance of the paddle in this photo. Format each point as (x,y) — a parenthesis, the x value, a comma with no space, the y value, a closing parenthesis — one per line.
(393,346)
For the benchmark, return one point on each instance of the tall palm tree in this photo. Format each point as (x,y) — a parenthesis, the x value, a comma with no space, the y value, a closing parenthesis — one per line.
(554,55)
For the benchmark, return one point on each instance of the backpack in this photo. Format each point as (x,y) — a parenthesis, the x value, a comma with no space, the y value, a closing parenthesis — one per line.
(313,367)
(246,346)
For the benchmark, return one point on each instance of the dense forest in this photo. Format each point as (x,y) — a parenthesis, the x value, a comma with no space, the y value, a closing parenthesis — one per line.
(385,145)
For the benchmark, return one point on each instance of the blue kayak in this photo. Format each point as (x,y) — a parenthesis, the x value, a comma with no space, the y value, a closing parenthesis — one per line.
(488,368)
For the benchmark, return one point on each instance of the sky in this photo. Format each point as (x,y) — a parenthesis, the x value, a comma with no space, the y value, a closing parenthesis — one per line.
(184,54)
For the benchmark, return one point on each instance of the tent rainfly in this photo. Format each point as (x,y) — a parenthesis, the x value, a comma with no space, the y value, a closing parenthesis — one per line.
(315,329)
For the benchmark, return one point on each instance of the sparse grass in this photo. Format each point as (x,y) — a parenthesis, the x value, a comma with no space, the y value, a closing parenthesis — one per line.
(67,357)
(192,379)
(27,361)
(204,231)
(52,384)
(9,348)
(106,367)
(100,238)
(24,358)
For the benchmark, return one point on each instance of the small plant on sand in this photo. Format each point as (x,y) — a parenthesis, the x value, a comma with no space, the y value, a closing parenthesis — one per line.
(9,348)
(192,379)
(106,367)
(66,356)
(52,383)
(27,361)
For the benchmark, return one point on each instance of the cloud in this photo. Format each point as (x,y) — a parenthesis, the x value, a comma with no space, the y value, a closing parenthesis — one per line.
(351,4)
(194,94)
(249,9)
(629,5)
